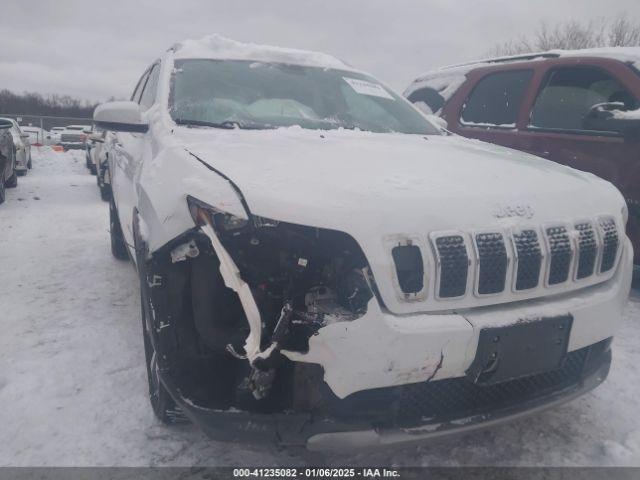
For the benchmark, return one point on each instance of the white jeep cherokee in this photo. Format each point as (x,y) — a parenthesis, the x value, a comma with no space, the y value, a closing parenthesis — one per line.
(319,264)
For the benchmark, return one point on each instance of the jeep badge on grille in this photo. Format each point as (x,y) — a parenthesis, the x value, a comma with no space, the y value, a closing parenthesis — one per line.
(504,211)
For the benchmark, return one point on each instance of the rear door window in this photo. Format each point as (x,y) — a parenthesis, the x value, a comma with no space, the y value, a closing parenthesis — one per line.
(569,93)
(496,99)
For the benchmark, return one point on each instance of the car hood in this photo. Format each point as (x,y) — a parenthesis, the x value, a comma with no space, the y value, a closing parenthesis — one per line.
(388,188)
(336,179)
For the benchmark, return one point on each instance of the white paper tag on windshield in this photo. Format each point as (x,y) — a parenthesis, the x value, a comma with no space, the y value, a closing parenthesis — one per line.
(367,88)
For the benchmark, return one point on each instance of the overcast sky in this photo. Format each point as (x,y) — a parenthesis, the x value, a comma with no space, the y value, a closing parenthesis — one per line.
(97,49)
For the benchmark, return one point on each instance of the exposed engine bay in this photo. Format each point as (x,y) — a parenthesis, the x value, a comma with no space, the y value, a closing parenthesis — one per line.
(301,279)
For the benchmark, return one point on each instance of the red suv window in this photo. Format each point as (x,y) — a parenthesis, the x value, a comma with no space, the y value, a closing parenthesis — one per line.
(569,93)
(496,99)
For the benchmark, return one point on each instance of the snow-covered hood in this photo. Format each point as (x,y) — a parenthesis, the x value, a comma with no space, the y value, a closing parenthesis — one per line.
(395,183)
(385,189)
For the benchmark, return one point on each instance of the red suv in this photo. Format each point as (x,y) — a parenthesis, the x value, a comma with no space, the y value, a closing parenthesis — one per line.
(579,108)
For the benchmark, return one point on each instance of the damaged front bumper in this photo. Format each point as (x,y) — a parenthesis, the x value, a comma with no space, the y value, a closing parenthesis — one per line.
(347,425)
(384,379)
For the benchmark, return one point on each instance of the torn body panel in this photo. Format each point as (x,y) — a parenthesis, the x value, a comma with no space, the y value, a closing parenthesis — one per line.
(381,350)
(233,280)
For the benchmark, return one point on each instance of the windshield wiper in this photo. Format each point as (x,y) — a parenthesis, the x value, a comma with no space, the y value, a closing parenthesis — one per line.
(226,125)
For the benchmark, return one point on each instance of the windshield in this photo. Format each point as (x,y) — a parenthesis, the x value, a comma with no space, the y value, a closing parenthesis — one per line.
(257,95)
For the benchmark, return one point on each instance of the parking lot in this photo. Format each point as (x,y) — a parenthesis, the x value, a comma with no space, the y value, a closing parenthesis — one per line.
(73,385)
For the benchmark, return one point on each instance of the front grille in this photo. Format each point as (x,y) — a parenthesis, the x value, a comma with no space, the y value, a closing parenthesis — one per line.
(454,265)
(529,259)
(565,256)
(560,254)
(610,240)
(587,250)
(492,263)
(443,400)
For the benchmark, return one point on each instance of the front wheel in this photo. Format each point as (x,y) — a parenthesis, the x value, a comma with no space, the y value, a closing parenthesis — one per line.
(12,181)
(105,192)
(118,247)
(164,407)
(2,190)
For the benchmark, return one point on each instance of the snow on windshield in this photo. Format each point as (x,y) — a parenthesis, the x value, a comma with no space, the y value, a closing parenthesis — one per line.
(258,95)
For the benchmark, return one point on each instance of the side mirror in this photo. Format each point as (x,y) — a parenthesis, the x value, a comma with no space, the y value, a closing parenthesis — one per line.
(24,135)
(4,124)
(613,117)
(120,117)
(438,121)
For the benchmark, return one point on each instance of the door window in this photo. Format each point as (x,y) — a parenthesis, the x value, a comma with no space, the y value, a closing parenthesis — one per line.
(135,97)
(427,99)
(149,93)
(569,93)
(495,101)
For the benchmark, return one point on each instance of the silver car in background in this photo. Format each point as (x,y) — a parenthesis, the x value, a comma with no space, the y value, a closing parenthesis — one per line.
(21,147)
(74,137)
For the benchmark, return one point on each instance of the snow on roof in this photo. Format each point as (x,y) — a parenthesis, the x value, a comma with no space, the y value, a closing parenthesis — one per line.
(454,73)
(623,54)
(219,47)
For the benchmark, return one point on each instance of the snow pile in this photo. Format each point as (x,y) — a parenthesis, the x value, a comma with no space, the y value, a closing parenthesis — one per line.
(219,47)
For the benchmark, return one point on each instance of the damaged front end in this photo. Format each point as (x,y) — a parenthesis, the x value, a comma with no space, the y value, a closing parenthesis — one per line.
(229,295)
(270,331)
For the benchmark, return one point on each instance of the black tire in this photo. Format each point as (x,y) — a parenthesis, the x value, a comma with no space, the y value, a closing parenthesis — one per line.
(29,163)
(118,247)
(92,169)
(12,181)
(2,189)
(21,173)
(164,407)
(105,192)
(87,161)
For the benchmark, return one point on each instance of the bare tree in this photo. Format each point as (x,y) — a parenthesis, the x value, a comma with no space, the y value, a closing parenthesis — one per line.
(600,32)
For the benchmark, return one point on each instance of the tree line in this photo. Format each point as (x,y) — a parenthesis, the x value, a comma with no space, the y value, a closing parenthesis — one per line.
(621,31)
(32,103)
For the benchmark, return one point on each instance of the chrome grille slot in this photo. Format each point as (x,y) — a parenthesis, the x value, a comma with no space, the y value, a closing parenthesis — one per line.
(587,250)
(610,242)
(529,259)
(453,265)
(492,262)
(560,254)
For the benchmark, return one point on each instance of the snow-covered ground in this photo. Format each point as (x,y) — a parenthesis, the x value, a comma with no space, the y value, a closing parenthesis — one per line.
(72,379)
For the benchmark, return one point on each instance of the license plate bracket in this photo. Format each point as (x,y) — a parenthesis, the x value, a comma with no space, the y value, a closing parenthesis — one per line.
(521,349)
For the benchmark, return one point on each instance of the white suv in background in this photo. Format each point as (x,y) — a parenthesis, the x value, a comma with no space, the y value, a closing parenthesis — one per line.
(321,265)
